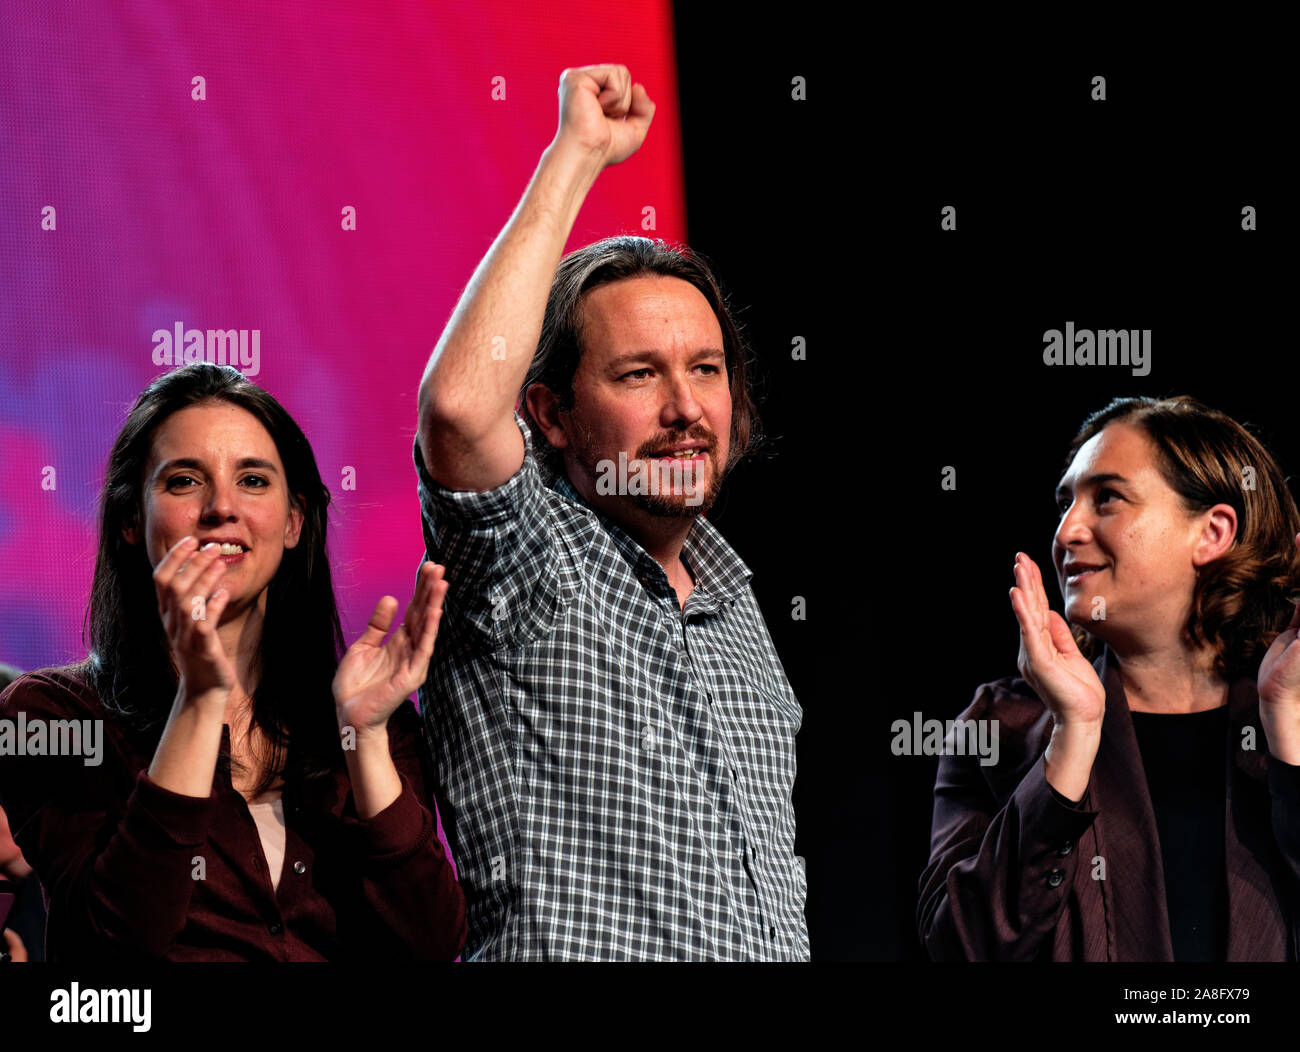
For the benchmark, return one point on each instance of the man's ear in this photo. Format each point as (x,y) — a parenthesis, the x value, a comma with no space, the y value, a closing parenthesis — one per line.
(544,405)
(293,528)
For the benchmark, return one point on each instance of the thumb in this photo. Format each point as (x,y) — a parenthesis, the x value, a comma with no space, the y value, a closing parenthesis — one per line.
(1059,629)
(380,621)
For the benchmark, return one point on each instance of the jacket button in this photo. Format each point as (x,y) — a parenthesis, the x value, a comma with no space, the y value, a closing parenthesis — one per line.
(1065,849)
(274,929)
(300,867)
(1054,878)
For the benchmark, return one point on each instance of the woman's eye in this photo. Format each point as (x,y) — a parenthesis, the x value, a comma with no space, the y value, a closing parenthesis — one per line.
(260,480)
(1104,495)
(179,478)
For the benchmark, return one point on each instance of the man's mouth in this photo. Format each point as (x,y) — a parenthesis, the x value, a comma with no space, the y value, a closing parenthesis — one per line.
(1077,572)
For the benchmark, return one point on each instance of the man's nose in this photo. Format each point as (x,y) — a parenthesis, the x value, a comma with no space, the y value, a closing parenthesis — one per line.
(681,403)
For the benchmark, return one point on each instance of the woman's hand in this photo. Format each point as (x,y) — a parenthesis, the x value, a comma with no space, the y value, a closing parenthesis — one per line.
(1063,678)
(190,604)
(374,676)
(1279,692)
(1049,659)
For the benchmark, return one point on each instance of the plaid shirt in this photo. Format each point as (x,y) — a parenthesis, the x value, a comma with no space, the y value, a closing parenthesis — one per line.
(613,773)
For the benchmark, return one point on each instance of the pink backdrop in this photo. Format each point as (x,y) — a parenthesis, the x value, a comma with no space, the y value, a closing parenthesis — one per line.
(226,213)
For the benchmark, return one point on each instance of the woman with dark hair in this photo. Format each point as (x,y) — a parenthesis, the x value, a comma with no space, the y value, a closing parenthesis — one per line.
(1145,805)
(229,811)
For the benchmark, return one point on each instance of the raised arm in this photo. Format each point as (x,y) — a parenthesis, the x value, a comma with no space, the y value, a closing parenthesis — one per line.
(468,437)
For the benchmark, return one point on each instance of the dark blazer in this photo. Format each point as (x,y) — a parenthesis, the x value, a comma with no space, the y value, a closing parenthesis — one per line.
(1015,870)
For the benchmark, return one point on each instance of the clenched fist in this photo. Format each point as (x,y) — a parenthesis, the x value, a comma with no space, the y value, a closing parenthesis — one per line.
(603,113)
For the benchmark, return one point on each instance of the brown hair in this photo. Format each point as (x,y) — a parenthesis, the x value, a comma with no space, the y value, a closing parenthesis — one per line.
(1243,599)
(559,348)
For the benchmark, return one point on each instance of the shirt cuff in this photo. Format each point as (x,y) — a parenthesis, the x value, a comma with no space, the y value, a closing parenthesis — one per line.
(1048,820)
(488,507)
(399,830)
(185,819)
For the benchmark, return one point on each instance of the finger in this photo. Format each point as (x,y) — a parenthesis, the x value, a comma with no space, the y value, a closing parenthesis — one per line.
(642,110)
(432,615)
(1024,581)
(182,585)
(175,558)
(615,90)
(217,605)
(199,591)
(1059,631)
(429,590)
(1033,636)
(168,566)
(1040,593)
(380,621)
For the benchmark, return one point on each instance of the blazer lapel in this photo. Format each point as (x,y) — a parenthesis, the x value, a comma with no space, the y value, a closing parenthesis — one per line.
(1137,916)
(1257,923)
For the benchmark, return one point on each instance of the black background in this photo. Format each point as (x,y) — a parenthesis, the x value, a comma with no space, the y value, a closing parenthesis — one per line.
(925,346)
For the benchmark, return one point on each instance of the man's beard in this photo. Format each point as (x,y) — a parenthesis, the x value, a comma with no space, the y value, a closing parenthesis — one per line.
(688,503)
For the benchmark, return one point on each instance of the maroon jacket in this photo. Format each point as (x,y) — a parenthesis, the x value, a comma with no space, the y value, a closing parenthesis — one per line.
(1013,868)
(118,856)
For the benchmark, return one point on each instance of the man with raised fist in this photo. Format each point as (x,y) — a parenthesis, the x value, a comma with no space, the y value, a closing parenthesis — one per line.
(613,732)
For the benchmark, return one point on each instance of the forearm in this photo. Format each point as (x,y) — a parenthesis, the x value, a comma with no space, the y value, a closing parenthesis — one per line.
(989,891)
(473,376)
(1069,758)
(185,761)
(374,778)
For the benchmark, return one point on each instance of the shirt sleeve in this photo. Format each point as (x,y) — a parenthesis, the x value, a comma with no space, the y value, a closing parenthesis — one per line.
(997,881)
(505,585)
(119,879)
(412,907)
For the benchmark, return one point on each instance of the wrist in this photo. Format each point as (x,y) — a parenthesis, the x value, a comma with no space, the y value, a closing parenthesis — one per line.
(211,701)
(567,171)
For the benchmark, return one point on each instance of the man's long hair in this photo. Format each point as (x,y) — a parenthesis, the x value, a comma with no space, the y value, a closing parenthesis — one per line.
(560,347)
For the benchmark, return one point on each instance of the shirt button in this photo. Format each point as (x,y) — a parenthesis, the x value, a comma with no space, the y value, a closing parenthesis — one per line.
(274,929)
(300,867)
(1054,878)
(1065,849)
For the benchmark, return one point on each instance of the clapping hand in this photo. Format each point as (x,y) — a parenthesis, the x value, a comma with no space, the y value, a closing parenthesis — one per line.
(375,675)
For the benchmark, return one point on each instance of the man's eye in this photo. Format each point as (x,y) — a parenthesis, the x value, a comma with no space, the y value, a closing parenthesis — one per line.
(1102,495)
(635,372)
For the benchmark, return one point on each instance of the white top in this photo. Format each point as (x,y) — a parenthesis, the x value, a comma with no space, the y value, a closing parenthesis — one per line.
(270,827)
